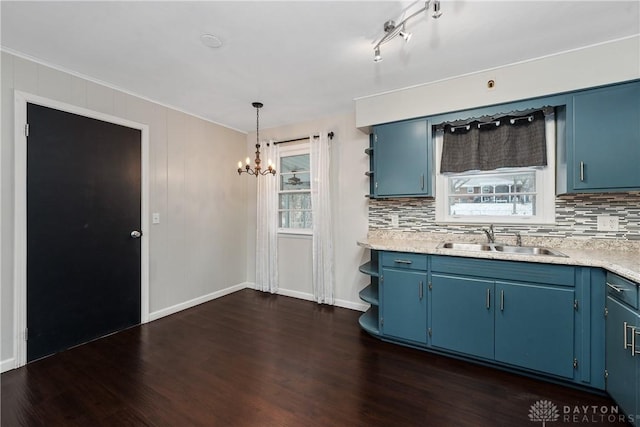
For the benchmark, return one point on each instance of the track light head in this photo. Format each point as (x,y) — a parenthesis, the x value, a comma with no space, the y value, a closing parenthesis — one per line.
(376,54)
(405,34)
(435,9)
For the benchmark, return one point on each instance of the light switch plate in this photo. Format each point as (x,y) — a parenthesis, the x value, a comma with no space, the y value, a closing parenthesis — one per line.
(607,223)
(155,218)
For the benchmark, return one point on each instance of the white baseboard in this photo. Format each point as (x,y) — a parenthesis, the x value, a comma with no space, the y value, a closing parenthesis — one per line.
(7,365)
(196,301)
(359,306)
(295,294)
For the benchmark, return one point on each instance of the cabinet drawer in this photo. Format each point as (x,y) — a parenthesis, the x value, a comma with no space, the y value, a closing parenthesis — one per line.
(622,289)
(404,260)
(550,274)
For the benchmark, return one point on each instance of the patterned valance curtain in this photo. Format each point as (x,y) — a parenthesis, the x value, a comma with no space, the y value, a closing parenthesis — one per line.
(488,143)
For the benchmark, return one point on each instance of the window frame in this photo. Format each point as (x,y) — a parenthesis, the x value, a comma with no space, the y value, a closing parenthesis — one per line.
(288,151)
(545,188)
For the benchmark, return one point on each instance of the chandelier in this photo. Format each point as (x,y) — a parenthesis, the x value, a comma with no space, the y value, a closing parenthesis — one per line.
(257,169)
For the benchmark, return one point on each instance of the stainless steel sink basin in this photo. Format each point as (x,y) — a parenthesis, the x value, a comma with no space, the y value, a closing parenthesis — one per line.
(466,246)
(489,247)
(527,250)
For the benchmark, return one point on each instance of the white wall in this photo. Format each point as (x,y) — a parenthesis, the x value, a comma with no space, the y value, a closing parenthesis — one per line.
(199,249)
(350,212)
(596,65)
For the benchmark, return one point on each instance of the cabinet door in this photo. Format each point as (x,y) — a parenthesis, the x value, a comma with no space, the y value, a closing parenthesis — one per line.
(534,327)
(606,147)
(401,159)
(462,314)
(623,368)
(404,307)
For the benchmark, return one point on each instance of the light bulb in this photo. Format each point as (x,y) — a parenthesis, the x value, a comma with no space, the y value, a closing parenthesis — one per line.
(376,55)
(248,161)
(239,165)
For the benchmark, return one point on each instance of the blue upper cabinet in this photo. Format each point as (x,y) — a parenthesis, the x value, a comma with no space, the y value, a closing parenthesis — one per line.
(603,154)
(402,159)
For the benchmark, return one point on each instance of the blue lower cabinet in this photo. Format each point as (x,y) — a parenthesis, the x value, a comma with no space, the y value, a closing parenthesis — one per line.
(404,304)
(623,357)
(540,319)
(462,315)
(534,327)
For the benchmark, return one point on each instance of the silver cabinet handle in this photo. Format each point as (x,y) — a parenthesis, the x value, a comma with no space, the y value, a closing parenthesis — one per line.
(402,261)
(634,332)
(136,234)
(624,331)
(502,300)
(488,298)
(615,288)
(581,171)
(422,182)
(420,291)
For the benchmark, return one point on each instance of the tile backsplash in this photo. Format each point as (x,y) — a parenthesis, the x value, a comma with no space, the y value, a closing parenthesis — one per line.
(576,217)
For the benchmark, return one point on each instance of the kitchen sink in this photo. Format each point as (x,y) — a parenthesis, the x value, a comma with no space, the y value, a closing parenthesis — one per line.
(493,247)
(466,246)
(527,250)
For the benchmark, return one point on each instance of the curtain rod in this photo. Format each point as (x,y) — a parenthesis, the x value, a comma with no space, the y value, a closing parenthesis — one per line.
(330,135)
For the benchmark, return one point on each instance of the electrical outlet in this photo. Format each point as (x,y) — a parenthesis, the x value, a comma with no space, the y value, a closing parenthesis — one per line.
(394,220)
(607,223)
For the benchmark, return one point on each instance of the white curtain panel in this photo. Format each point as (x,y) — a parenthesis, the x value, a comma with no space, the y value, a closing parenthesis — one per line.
(267,227)
(323,275)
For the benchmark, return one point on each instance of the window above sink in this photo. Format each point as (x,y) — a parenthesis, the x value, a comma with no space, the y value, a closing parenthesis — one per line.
(505,195)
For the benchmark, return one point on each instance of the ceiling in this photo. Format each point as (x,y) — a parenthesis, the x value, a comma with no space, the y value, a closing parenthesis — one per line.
(303,59)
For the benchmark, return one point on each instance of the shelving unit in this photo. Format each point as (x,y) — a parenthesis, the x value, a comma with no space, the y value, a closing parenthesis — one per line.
(369,321)
(370,172)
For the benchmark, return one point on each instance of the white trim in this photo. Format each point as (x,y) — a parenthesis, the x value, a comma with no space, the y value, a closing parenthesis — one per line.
(309,297)
(545,185)
(498,67)
(7,364)
(197,301)
(20,209)
(110,86)
(358,306)
(288,151)
(295,232)
(295,294)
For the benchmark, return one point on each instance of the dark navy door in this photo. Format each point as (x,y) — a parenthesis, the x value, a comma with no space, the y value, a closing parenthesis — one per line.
(83,204)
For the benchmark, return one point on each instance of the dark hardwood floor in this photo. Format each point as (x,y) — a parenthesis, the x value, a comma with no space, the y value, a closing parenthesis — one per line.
(253,359)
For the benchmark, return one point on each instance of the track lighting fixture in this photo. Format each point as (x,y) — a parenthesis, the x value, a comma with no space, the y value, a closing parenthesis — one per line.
(391,30)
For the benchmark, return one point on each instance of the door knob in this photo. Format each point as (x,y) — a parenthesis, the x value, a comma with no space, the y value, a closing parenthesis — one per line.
(136,234)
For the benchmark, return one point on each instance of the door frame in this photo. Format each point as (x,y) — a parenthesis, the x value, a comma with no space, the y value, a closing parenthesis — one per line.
(20,210)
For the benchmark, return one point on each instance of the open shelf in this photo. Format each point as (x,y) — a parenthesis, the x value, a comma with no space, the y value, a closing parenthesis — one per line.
(369,321)
(370,294)
(370,268)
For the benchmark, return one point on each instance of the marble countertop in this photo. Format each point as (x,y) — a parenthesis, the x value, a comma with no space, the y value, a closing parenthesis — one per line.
(617,257)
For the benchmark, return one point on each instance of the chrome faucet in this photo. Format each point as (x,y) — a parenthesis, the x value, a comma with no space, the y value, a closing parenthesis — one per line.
(491,237)
(518,239)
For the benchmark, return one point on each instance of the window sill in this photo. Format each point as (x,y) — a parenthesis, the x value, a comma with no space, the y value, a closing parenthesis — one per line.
(295,232)
(495,220)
